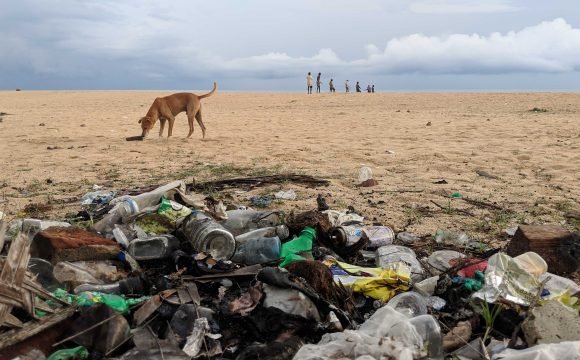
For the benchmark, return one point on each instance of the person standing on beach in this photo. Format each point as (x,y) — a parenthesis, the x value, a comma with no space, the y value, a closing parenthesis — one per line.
(331,85)
(318,83)
(346,86)
(309,83)
(358,87)
(373,88)
(369,88)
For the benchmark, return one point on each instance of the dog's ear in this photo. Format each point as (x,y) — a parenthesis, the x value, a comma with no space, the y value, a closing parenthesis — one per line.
(140,120)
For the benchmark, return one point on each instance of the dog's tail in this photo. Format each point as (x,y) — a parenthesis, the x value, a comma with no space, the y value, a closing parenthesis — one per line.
(209,93)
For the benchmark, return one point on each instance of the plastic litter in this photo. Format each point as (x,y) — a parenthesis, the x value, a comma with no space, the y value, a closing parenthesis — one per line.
(409,304)
(388,256)
(299,247)
(79,352)
(286,195)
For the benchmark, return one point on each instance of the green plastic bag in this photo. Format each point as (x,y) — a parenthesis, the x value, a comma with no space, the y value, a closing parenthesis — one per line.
(79,352)
(88,298)
(302,244)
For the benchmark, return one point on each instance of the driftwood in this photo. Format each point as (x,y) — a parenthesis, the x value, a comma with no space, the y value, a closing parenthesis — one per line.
(19,289)
(252,182)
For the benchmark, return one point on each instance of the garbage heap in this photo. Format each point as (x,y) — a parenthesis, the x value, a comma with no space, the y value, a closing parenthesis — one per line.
(168,274)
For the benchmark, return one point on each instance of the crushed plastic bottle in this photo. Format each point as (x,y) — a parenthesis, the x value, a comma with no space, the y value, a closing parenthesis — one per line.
(129,286)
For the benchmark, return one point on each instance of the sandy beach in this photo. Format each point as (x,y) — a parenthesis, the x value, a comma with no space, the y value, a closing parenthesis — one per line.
(422,147)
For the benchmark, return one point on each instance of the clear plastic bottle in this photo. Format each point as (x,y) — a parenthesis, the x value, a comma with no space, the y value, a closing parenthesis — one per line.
(153,247)
(259,246)
(242,221)
(129,286)
(208,236)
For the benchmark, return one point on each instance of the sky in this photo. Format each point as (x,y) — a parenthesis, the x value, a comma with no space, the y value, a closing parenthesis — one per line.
(270,45)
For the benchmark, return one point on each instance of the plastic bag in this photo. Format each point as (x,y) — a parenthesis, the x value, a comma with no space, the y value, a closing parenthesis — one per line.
(80,352)
(292,249)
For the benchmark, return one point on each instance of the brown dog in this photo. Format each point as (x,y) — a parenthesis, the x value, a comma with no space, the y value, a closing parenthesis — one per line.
(166,108)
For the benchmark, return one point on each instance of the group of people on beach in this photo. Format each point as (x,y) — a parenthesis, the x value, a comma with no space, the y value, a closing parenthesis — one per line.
(309,82)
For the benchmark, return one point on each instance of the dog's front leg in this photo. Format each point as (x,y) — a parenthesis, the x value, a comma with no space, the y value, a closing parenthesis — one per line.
(161,126)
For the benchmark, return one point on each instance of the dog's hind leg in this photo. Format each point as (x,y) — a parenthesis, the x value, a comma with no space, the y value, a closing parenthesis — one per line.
(200,122)
(191,114)
(161,126)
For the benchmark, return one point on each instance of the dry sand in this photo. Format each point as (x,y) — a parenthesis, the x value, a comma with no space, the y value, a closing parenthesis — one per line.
(535,155)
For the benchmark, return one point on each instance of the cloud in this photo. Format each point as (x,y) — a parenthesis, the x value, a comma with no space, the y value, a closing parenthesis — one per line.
(549,47)
(460,6)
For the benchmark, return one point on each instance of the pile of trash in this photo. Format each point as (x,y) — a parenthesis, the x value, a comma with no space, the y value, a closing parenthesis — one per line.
(171,274)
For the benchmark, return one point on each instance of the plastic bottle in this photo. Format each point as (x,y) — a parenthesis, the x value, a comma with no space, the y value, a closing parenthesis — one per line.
(129,286)
(409,304)
(242,221)
(153,247)
(67,272)
(259,246)
(208,236)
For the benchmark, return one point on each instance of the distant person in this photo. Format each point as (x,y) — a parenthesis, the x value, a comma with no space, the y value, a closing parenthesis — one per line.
(358,87)
(373,89)
(318,83)
(369,88)
(309,83)
(346,86)
(331,85)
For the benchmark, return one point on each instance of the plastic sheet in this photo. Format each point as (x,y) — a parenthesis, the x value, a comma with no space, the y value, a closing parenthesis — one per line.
(387,334)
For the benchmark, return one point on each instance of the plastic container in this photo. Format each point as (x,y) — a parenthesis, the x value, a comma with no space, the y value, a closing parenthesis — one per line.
(424,332)
(243,221)
(388,256)
(154,247)
(208,236)
(409,304)
(257,250)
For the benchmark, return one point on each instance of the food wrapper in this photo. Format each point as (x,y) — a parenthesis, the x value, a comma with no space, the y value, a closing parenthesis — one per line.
(506,280)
